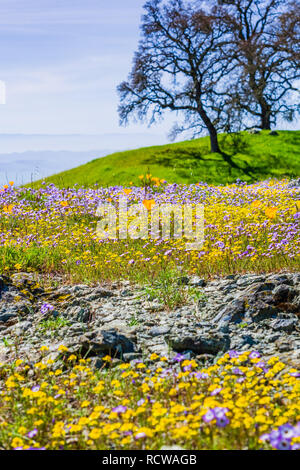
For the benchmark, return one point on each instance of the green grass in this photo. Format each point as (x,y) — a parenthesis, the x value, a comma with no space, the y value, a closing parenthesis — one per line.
(52,325)
(169,290)
(248,157)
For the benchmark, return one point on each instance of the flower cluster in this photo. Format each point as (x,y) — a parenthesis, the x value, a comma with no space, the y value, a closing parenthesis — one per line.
(247,227)
(286,437)
(241,401)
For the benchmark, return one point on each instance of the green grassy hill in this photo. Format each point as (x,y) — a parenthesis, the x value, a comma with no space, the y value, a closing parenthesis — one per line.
(248,157)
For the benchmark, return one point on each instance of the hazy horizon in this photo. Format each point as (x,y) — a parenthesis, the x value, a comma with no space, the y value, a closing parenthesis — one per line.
(28,157)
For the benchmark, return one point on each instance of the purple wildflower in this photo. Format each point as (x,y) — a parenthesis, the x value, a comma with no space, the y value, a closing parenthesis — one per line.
(119,409)
(287,431)
(32,433)
(178,358)
(216,391)
(222,421)
(237,371)
(45,308)
(295,374)
(201,375)
(254,355)
(282,444)
(233,354)
(209,416)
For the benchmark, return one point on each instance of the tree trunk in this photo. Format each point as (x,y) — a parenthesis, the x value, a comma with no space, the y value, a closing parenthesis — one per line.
(265,120)
(214,144)
(265,114)
(258,89)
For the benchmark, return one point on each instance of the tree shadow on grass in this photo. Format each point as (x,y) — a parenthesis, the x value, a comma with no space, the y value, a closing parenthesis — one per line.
(196,158)
(179,157)
(238,158)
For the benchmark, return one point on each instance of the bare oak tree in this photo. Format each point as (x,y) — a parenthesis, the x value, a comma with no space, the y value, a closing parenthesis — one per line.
(182,63)
(266,40)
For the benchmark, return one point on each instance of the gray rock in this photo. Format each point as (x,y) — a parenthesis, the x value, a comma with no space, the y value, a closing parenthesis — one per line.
(260,311)
(239,312)
(110,341)
(159,330)
(259,287)
(245,281)
(5,317)
(283,345)
(200,344)
(96,362)
(21,278)
(132,356)
(196,281)
(3,284)
(284,325)
(283,293)
(233,312)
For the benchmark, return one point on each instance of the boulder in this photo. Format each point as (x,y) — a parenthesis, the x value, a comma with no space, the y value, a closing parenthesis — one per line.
(201,343)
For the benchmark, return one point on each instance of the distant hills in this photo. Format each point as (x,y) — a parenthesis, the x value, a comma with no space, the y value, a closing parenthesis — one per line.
(28,157)
(249,157)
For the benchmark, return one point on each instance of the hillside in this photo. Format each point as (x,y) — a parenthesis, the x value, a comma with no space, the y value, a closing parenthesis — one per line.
(249,157)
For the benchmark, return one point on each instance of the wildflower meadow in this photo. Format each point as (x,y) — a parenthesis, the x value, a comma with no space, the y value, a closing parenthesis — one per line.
(241,401)
(247,227)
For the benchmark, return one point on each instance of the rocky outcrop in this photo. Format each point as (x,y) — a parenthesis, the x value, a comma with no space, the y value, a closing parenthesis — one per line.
(260,312)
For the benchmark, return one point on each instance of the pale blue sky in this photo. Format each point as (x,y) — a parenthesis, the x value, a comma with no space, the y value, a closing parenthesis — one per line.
(62,60)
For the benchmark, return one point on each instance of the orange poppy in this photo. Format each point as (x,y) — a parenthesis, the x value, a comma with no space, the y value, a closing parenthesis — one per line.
(149,203)
(271,212)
